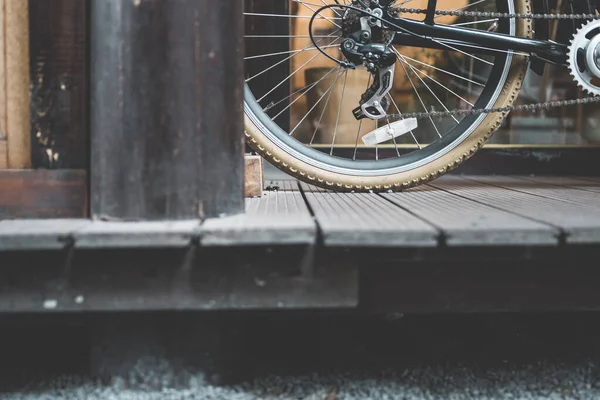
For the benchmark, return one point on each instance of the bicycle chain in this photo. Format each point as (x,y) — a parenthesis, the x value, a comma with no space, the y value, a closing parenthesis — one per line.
(523,107)
(486,14)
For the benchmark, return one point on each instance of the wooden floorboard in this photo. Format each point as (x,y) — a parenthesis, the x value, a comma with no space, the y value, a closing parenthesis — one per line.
(100,234)
(54,234)
(458,211)
(469,223)
(277,218)
(569,182)
(566,194)
(37,234)
(367,220)
(290,185)
(580,223)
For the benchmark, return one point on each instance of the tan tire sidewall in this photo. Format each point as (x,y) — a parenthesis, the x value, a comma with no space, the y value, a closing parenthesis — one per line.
(449,161)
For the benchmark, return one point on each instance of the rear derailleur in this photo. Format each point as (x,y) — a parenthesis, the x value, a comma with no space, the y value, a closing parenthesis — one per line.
(367,43)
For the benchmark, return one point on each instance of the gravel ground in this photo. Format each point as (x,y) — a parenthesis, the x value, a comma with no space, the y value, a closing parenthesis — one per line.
(552,356)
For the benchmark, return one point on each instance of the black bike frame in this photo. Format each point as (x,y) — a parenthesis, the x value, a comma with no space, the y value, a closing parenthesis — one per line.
(428,34)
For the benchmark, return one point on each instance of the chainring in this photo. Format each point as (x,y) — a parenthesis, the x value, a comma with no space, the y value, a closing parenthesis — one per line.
(583,64)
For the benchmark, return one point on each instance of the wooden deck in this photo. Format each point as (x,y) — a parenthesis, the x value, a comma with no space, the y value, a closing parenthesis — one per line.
(459,243)
(452,211)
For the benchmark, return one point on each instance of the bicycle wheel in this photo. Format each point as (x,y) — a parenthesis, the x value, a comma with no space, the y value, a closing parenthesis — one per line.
(299,102)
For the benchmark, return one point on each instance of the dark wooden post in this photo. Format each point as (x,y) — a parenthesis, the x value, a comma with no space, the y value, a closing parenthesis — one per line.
(166,109)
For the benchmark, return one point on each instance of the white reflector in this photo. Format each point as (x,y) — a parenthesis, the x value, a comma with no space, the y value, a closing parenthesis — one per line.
(390,131)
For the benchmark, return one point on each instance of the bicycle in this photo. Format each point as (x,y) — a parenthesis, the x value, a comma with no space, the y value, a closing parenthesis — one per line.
(460,66)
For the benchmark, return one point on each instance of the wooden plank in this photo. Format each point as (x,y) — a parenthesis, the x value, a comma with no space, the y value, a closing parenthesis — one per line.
(167,120)
(570,182)
(155,234)
(254,177)
(278,218)
(367,220)
(50,234)
(42,194)
(286,185)
(307,187)
(569,195)
(16,17)
(468,223)
(579,223)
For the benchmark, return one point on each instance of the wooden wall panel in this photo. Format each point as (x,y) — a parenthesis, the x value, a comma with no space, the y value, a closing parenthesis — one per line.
(58,64)
(16,72)
(3,150)
(3,154)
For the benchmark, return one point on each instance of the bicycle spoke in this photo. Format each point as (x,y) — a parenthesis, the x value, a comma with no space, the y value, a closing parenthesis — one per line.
(283,16)
(333,9)
(426,85)
(444,71)
(274,104)
(339,112)
(393,137)
(289,58)
(413,69)
(330,90)
(306,2)
(400,113)
(313,10)
(360,124)
(441,84)
(305,92)
(289,52)
(487,48)
(286,36)
(324,108)
(419,96)
(462,52)
(474,22)
(290,75)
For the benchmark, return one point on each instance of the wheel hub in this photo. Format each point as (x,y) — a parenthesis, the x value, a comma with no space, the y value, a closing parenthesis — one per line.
(592,53)
(597,55)
(584,57)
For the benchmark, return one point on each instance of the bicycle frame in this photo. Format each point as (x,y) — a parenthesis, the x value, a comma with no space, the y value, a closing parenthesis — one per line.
(473,40)
(428,34)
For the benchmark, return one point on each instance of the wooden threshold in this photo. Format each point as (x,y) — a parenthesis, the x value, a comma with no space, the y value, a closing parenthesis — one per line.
(42,194)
